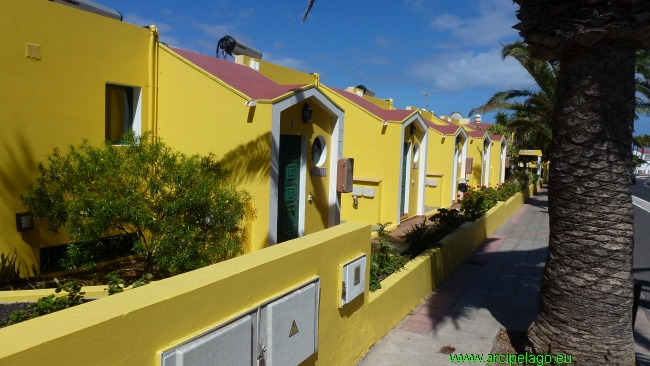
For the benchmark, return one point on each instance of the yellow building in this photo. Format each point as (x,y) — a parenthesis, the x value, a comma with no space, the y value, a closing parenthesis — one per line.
(281,142)
(498,161)
(388,146)
(389,150)
(479,154)
(65,74)
(447,158)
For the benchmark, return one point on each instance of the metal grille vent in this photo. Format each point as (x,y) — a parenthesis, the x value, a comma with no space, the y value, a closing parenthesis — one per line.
(33,51)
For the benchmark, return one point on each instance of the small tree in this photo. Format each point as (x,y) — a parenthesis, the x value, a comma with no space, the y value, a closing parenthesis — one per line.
(180,208)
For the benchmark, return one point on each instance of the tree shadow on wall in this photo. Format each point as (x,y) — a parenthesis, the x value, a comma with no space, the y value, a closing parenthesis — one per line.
(250,162)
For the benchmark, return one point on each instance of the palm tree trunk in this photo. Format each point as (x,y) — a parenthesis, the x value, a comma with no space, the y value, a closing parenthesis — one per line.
(585,304)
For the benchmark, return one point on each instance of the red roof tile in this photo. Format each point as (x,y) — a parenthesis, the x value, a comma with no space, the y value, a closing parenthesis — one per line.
(449,129)
(482,125)
(240,77)
(386,115)
(496,137)
(476,134)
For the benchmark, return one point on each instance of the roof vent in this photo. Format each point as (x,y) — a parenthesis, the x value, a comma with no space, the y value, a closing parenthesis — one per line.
(477,118)
(229,46)
(366,91)
(92,7)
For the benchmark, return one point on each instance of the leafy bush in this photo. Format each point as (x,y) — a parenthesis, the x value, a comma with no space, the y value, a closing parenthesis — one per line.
(524,178)
(181,209)
(477,201)
(50,304)
(424,236)
(9,269)
(117,285)
(507,190)
(382,263)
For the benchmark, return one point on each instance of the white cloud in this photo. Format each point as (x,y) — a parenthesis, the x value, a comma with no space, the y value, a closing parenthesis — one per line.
(457,71)
(246,13)
(137,20)
(446,22)
(495,21)
(214,30)
(384,41)
(290,62)
(277,45)
(416,5)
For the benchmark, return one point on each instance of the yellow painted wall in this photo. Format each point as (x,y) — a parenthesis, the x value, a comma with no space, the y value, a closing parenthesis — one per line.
(496,165)
(414,183)
(376,150)
(381,103)
(60,99)
(439,161)
(475,150)
(198,115)
(316,212)
(284,75)
(133,327)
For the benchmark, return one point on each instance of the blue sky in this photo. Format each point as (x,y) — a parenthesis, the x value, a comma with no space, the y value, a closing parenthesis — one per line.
(398,48)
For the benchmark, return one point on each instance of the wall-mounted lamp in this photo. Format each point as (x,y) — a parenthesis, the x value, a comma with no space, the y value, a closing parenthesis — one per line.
(306,113)
(385,123)
(458,139)
(355,201)
(24,221)
(413,129)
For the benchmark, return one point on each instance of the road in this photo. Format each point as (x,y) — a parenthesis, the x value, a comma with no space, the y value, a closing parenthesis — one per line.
(641,190)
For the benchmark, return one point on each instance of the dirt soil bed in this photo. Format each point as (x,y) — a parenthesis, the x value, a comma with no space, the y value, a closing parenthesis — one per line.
(130,270)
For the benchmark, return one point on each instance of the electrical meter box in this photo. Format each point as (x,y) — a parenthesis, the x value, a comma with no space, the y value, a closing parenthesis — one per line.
(344,175)
(291,327)
(230,345)
(353,279)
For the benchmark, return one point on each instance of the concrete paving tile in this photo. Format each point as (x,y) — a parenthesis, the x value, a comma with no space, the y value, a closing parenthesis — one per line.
(418,327)
(425,319)
(435,311)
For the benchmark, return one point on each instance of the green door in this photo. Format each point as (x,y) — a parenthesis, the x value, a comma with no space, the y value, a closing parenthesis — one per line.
(289,187)
(405,155)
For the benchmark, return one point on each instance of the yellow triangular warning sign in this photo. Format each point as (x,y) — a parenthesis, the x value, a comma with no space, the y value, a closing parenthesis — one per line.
(294,329)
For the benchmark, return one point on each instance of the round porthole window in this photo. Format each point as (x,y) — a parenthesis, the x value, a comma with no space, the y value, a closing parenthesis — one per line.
(318,151)
(416,152)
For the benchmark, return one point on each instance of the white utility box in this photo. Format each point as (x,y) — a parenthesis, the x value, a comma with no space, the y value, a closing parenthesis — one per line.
(292,327)
(230,345)
(368,192)
(357,191)
(353,279)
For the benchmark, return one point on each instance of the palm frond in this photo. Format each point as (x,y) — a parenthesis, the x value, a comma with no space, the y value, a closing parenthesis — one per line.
(310,3)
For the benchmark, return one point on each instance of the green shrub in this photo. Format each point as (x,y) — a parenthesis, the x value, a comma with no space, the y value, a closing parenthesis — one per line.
(50,304)
(424,236)
(9,269)
(524,178)
(477,201)
(181,208)
(116,284)
(382,263)
(507,190)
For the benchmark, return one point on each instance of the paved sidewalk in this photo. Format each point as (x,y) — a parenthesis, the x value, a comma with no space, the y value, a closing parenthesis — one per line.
(496,287)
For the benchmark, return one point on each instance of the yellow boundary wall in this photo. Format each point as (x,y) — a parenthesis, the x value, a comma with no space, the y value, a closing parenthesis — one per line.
(133,327)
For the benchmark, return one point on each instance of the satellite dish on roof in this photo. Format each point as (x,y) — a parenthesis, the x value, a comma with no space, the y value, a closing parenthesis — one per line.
(229,46)
(456,115)
(92,7)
